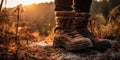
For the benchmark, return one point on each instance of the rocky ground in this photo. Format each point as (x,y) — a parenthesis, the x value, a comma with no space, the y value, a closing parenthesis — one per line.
(45,51)
(40,49)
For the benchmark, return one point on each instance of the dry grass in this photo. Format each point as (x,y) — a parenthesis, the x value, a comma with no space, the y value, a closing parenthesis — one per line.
(18,49)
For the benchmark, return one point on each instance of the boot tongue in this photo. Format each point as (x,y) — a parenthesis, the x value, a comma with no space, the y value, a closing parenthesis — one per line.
(80,14)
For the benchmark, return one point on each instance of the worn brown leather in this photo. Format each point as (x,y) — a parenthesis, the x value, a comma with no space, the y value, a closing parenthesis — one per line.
(66,33)
(99,44)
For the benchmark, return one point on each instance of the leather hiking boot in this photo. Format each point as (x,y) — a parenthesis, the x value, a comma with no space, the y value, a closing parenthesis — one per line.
(66,34)
(99,44)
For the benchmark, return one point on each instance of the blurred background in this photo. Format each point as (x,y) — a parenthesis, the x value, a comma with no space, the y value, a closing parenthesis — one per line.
(38,16)
(26,23)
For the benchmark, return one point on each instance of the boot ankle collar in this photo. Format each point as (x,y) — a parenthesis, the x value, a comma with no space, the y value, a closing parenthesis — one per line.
(82,14)
(64,13)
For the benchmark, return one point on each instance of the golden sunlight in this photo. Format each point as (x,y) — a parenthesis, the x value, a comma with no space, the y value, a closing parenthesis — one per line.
(99,0)
(12,3)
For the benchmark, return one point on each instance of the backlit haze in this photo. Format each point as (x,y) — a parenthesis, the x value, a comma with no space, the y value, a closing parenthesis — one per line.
(12,3)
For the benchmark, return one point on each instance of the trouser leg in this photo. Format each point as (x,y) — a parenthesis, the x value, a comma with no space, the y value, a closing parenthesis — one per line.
(63,5)
(82,5)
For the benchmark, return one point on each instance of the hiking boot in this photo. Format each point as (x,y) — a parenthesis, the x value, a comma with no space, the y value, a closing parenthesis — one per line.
(99,44)
(66,34)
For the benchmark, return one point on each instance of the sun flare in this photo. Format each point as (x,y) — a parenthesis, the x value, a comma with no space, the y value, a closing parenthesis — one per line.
(12,3)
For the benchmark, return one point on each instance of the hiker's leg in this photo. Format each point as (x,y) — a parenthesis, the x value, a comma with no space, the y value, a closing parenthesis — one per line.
(82,5)
(82,8)
(63,5)
(66,34)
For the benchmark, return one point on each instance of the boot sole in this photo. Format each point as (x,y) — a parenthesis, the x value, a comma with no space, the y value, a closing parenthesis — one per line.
(75,47)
